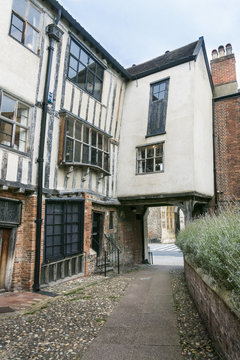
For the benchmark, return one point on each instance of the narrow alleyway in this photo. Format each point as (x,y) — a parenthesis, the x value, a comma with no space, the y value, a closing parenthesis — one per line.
(143,326)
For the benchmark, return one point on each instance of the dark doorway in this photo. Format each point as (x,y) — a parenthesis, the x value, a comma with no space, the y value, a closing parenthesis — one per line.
(4,242)
(97,232)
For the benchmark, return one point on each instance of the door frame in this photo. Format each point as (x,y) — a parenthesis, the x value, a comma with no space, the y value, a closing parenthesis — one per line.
(10,254)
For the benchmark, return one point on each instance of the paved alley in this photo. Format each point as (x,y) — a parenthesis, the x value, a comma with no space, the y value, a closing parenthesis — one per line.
(143,326)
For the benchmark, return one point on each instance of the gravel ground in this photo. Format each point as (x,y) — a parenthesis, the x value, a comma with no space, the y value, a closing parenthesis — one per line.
(64,326)
(194,339)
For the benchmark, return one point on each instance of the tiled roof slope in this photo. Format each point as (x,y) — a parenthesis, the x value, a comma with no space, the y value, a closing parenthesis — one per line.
(169,59)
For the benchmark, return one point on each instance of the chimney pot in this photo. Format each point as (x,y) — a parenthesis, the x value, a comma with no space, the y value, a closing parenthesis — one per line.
(221,51)
(214,54)
(228,49)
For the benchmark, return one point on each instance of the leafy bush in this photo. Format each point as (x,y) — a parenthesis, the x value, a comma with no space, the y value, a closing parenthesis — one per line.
(212,243)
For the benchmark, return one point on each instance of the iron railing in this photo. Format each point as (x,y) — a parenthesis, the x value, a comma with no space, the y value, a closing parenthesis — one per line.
(110,259)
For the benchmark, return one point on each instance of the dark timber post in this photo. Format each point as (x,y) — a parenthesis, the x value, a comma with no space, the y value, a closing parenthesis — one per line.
(54,33)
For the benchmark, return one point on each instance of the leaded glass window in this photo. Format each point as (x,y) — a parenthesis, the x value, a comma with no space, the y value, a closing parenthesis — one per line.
(84,70)
(63,229)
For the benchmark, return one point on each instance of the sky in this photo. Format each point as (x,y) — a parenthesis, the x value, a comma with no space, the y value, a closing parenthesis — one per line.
(134,31)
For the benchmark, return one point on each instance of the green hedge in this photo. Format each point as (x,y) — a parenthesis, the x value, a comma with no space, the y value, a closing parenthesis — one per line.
(212,243)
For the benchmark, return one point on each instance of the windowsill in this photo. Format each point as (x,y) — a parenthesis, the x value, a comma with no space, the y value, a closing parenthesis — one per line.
(151,173)
(161,133)
(6,147)
(19,42)
(85,90)
(91,166)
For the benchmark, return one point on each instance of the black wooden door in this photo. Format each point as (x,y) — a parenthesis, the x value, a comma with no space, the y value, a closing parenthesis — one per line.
(97,232)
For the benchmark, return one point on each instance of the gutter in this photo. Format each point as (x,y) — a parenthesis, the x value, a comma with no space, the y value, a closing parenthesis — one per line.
(54,34)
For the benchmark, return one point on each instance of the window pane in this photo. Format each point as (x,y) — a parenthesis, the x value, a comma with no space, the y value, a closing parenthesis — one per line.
(5,133)
(69,150)
(162,86)
(77,155)
(105,144)
(149,165)
(82,76)
(70,124)
(78,128)
(90,82)
(16,33)
(150,152)
(33,16)
(86,134)
(158,164)
(8,107)
(74,49)
(85,154)
(99,141)
(17,23)
(100,155)
(93,156)
(22,114)
(84,57)
(106,165)
(20,139)
(97,89)
(20,7)
(72,74)
(31,38)
(141,167)
(161,95)
(73,63)
(91,64)
(94,138)
(141,153)
(159,150)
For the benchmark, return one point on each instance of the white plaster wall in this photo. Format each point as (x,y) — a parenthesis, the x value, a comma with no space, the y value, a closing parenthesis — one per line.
(203,141)
(178,175)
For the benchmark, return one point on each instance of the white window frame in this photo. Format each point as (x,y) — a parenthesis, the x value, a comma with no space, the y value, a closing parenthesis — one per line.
(14,123)
(148,154)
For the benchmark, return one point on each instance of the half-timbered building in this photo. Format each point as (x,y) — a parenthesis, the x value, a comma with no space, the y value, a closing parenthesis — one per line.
(87,146)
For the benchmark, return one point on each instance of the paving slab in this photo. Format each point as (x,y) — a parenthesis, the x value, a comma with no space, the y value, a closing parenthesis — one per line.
(143,326)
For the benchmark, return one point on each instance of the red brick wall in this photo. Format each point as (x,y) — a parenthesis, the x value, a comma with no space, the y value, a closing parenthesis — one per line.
(23,270)
(223,70)
(223,324)
(227,148)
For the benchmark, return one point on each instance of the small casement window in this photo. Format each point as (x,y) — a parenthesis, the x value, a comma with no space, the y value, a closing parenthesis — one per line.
(111,217)
(63,229)
(14,117)
(25,24)
(158,108)
(85,145)
(150,158)
(84,71)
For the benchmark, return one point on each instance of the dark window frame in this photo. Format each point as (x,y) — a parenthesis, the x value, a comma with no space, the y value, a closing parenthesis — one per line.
(94,69)
(98,154)
(25,24)
(158,102)
(64,224)
(148,160)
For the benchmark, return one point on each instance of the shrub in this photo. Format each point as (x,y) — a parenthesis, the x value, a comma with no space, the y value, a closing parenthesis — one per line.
(212,243)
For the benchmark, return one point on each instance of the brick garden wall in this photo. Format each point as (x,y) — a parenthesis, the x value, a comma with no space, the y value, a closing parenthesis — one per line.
(222,323)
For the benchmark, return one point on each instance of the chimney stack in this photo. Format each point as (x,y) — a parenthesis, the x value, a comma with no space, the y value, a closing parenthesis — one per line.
(224,71)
